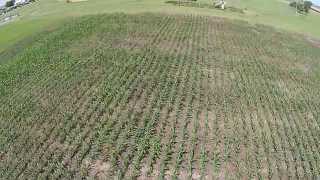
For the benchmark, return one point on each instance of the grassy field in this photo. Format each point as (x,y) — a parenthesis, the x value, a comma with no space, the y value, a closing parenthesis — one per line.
(153,96)
(48,14)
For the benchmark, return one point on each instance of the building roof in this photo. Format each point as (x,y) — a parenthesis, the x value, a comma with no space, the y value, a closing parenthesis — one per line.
(316,8)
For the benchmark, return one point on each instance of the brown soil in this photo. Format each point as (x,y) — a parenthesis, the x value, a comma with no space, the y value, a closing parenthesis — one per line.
(313,41)
(99,169)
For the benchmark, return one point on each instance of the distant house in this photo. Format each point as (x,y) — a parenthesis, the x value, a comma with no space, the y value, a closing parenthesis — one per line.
(316,8)
(20,2)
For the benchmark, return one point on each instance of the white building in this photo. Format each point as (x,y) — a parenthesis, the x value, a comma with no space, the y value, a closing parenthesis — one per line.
(17,2)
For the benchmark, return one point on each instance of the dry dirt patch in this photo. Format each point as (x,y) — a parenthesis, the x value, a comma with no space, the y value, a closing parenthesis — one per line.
(315,42)
(99,169)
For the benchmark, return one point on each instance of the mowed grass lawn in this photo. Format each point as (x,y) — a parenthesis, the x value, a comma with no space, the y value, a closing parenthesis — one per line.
(48,14)
(158,96)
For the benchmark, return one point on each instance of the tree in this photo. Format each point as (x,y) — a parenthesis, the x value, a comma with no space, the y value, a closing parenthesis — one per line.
(307,5)
(10,3)
(301,6)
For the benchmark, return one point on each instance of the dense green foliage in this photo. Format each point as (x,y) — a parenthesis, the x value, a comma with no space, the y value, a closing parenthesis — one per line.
(10,3)
(301,6)
(161,96)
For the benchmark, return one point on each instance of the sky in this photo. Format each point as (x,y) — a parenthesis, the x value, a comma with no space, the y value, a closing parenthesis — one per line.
(317,2)
(1,2)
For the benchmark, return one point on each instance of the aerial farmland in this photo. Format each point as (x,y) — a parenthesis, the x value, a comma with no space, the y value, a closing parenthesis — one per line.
(112,90)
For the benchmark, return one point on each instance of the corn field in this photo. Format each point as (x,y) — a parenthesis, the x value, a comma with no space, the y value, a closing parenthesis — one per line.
(161,97)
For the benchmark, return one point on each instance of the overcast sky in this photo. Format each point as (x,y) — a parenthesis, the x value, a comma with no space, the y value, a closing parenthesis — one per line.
(1,2)
(316,2)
